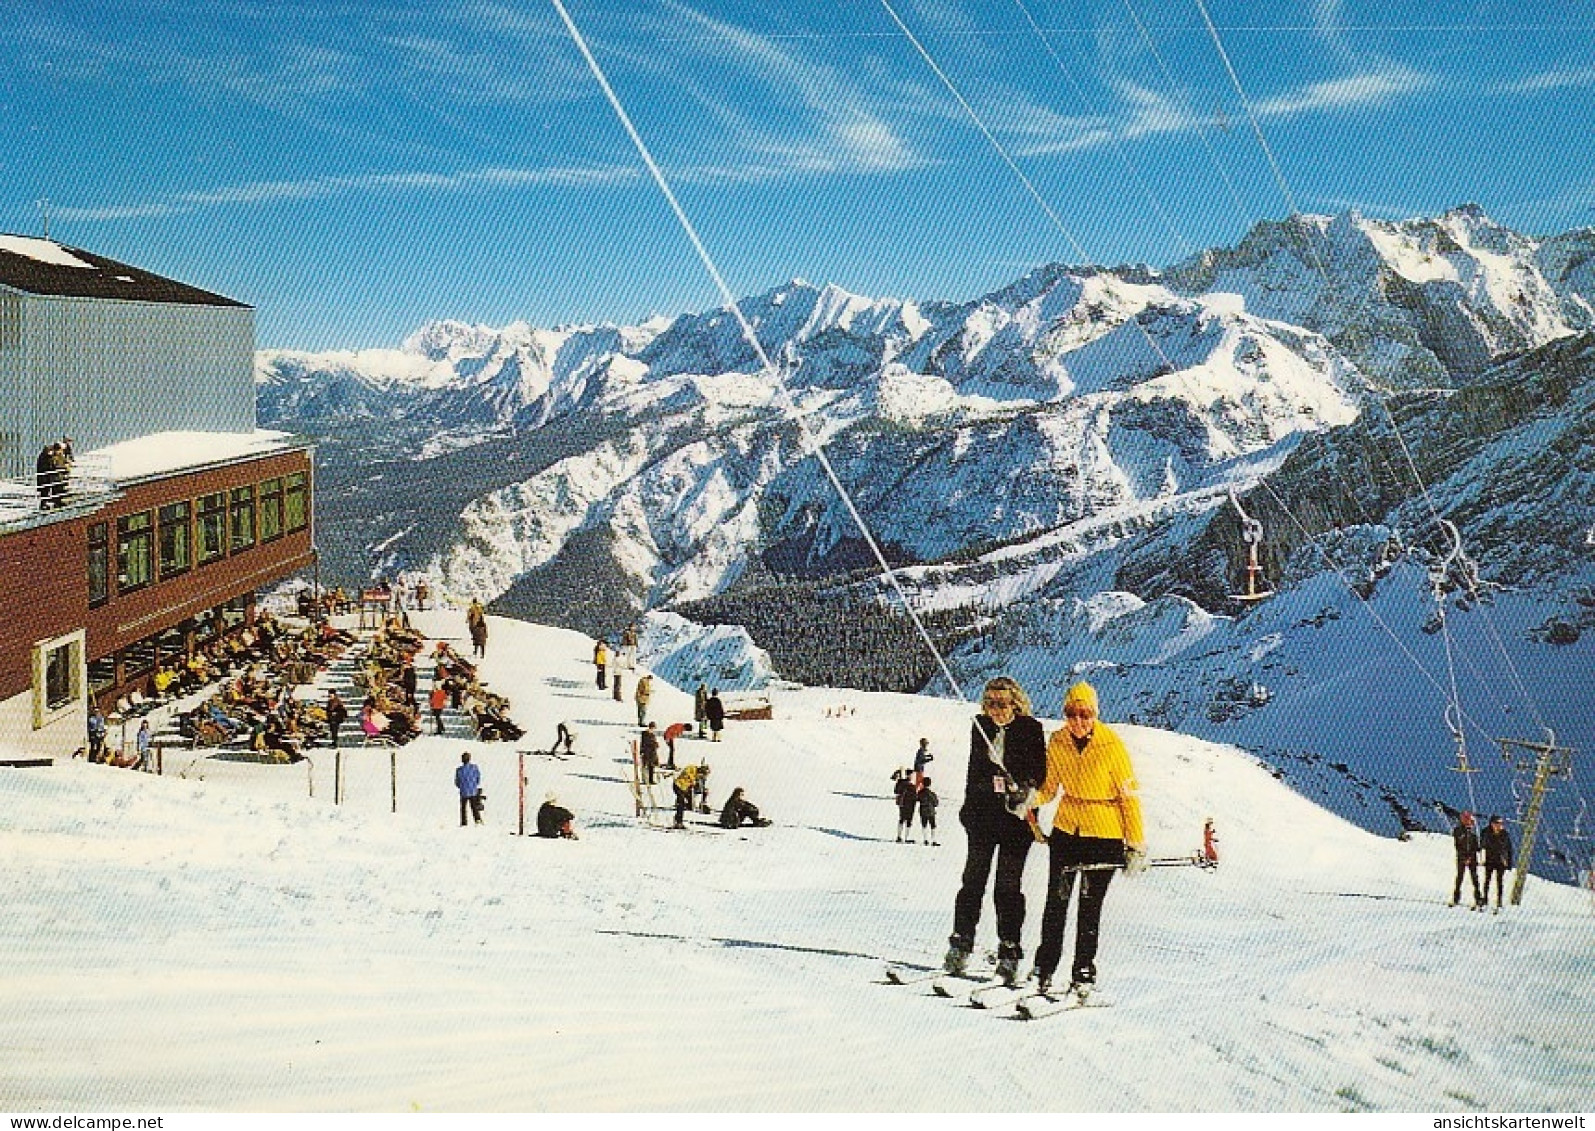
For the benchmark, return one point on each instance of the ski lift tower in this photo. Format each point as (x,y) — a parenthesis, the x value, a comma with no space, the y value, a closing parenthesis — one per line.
(1550,760)
(1252,536)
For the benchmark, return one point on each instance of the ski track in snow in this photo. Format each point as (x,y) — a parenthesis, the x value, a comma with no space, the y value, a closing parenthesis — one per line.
(233,944)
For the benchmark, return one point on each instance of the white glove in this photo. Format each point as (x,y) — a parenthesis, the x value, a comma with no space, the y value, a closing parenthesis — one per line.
(1135,860)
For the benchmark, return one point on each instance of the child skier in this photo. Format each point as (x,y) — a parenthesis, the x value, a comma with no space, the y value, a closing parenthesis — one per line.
(907,800)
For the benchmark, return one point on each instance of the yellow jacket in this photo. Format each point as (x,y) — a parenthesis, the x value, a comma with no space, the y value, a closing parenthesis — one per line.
(687,778)
(1098,784)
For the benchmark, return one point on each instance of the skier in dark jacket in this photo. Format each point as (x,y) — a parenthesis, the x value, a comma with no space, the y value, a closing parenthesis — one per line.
(715,712)
(1497,845)
(1467,846)
(1007,763)
(907,799)
(927,812)
(922,757)
(648,746)
(337,715)
(700,706)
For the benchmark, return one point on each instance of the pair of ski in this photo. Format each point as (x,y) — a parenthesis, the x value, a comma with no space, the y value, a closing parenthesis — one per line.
(1028,1002)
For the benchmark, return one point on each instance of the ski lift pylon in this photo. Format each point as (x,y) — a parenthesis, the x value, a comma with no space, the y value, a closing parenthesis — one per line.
(1252,536)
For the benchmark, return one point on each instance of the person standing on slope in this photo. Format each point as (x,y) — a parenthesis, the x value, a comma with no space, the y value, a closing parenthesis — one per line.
(927,813)
(468,780)
(714,710)
(907,798)
(648,745)
(1097,829)
(601,662)
(1007,761)
(700,709)
(644,692)
(922,757)
(1497,845)
(1466,841)
(476,622)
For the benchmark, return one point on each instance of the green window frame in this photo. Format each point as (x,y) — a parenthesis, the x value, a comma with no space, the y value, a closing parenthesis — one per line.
(271,499)
(134,560)
(99,565)
(175,535)
(212,528)
(296,502)
(243,519)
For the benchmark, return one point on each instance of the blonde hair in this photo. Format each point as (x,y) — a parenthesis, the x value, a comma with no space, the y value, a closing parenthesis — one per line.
(1011,685)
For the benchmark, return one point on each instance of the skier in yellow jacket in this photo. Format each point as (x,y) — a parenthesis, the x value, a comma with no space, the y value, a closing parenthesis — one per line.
(1097,829)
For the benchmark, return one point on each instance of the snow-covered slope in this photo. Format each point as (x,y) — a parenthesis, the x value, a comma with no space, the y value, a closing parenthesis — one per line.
(222,941)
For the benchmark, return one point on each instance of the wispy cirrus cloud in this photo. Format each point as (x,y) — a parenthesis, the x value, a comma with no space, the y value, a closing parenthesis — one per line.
(1569,78)
(1142,112)
(319,188)
(839,128)
(1365,90)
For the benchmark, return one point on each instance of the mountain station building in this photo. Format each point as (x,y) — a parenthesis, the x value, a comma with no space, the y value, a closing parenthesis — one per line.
(174,510)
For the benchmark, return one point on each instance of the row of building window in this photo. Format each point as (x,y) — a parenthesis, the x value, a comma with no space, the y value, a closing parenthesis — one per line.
(172,646)
(173,539)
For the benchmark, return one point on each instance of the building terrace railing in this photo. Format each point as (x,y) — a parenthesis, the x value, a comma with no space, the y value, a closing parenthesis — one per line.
(25,501)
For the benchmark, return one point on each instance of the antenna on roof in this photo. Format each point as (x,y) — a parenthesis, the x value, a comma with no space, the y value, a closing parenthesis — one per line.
(44,210)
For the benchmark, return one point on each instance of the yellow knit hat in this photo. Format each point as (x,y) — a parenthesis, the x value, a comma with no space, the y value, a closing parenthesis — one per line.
(1082,694)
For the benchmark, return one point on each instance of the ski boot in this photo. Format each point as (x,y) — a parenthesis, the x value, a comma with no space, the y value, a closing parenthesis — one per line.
(1008,956)
(957,960)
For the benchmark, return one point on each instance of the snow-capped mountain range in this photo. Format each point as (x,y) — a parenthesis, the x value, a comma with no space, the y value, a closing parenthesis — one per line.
(1052,466)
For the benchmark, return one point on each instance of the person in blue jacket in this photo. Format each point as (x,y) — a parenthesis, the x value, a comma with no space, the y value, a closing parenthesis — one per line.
(468,780)
(96,735)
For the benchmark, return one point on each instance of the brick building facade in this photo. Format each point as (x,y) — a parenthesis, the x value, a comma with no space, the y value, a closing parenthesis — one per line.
(160,541)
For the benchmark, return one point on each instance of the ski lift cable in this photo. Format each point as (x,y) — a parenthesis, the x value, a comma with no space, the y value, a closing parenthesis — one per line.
(1174,88)
(1079,250)
(1395,427)
(811,442)
(1367,605)
(1453,708)
(1235,197)
(1118,150)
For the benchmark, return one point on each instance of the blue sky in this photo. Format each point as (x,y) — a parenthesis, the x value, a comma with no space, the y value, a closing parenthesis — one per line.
(354,168)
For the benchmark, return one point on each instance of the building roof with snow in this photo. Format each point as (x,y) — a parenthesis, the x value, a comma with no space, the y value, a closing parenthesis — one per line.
(43,267)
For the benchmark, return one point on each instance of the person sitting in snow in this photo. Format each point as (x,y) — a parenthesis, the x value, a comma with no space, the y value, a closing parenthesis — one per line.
(554,821)
(739,811)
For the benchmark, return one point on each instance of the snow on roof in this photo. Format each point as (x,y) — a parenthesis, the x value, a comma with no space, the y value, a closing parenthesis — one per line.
(45,251)
(167,452)
(44,267)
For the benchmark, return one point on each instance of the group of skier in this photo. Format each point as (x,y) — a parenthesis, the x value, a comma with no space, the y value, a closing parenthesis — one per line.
(913,794)
(1496,845)
(1096,829)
